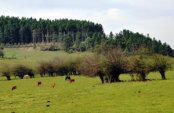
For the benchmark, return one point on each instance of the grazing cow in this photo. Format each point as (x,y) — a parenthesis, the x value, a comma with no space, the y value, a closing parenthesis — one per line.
(72,80)
(53,85)
(13,88)
(39,83)
(47,105)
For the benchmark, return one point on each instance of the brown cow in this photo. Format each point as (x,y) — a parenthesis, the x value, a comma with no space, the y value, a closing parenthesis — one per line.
(53,85)
(39,83)
(72,80)
(13,88)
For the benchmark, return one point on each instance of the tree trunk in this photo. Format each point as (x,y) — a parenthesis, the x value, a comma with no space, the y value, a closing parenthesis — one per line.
(101,78)
(143,76)
(115,78)
(163,76)
(107,78)
(8,77)
(42,37)
(34,35)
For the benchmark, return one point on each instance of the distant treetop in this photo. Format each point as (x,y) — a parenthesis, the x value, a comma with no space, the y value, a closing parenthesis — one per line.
(75,35)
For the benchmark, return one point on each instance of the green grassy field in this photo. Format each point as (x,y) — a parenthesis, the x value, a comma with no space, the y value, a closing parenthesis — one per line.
(86,95)
(31,58)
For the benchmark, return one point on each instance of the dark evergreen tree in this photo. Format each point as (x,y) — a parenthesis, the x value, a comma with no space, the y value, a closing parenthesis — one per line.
(14,30)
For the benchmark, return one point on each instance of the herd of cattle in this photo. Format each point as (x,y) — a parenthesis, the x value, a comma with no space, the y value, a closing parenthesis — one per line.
(39,83)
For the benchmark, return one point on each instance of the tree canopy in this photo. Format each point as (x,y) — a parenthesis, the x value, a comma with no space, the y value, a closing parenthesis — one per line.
(75,34)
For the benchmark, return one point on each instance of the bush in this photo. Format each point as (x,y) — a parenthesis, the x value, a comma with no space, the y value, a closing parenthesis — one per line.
(161,64)
(21,70)
(57,67)
(108,65)
(49,48)
(6,74)
(91,66)
(1,46)
(2,53)
(140,66)
(42,68)
(82,47)
(116,63)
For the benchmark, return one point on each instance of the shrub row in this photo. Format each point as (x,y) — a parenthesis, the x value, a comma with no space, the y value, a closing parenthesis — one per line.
(108,65)
(18,71)
(57,67)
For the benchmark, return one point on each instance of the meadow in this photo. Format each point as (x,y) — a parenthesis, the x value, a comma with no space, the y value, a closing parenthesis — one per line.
(31,58)
(86,95)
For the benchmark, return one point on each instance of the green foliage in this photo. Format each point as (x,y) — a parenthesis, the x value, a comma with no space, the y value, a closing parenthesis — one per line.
(78,41)
(141,66)
(115,64)
(161,64)
(68,42)
(49,48)
(134,43)
(58,66)
(82,47)
(89,42)
(108,65)
(6,72)
(74,34)
(1,46)
(14,30)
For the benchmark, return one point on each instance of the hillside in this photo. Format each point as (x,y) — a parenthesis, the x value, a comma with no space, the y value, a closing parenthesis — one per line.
(74,35)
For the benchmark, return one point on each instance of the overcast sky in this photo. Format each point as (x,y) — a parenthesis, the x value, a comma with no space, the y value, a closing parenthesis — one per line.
(155,17)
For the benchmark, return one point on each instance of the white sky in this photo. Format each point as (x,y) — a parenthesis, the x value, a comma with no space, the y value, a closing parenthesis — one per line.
(155,17)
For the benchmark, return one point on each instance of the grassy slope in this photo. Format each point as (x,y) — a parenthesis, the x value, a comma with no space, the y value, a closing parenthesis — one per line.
(86,95)
(31,57)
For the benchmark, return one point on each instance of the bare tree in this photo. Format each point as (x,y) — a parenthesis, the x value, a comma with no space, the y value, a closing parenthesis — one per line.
(115,64)
(91,66)
(108,65)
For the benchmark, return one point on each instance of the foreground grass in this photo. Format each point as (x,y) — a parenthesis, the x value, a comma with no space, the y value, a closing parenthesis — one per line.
(87,95)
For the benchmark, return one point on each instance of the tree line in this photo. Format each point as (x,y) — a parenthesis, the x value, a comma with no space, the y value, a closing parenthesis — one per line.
(111,63)
(14,30)
(75,35)
(133,42)
(107,64)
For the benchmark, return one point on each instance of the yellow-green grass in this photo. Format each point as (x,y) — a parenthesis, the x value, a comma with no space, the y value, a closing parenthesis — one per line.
(86,95)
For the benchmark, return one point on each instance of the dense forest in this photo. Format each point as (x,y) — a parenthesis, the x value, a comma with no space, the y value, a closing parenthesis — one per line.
(135,42)
(74,35)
